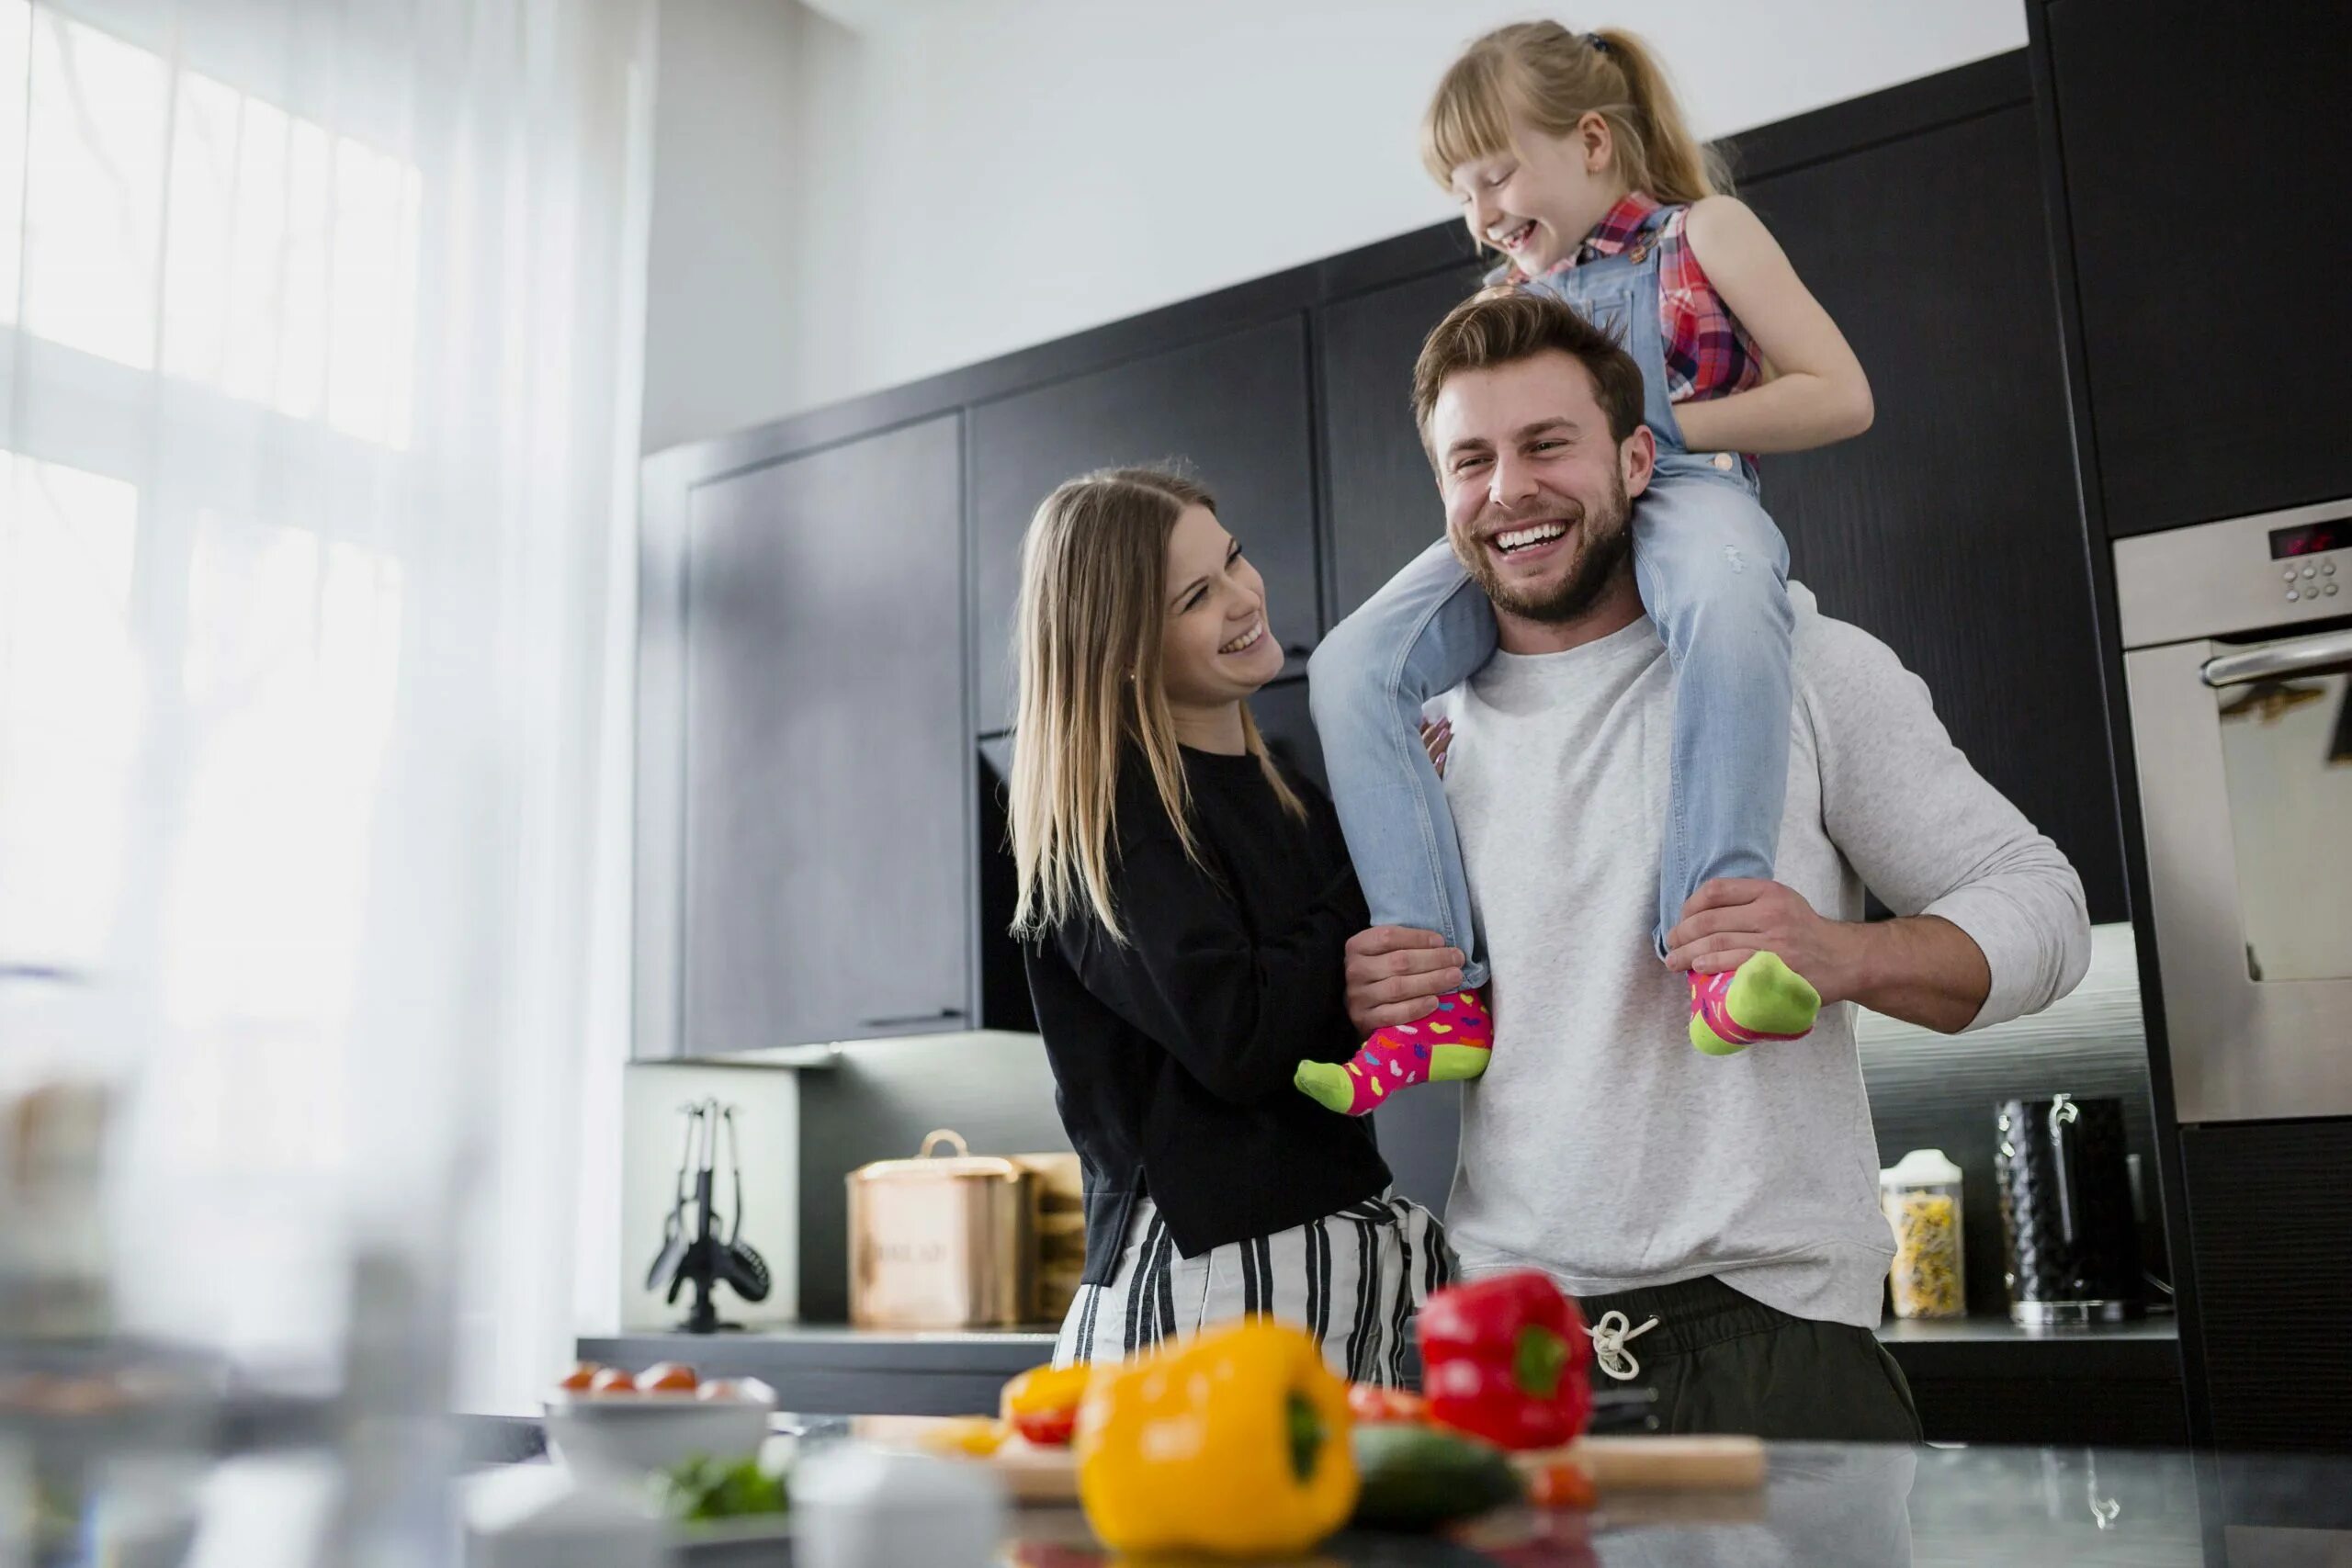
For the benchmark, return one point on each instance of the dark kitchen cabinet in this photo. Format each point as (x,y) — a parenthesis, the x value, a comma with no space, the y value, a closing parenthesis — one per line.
(1232,410)
(2198,144)
(827,768)
(1383,501)
(1951,529)
(2265,1222)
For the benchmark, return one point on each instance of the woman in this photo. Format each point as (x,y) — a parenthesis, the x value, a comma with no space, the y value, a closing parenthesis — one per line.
(1184,906)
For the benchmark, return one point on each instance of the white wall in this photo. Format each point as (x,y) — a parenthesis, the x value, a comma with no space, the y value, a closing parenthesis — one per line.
(964,179)
(723,279)
(837,210)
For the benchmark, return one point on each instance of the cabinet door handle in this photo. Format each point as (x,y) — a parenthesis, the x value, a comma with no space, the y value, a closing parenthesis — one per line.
(941,1016)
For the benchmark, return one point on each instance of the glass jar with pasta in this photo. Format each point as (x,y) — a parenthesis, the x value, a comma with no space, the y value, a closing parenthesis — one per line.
(1920,1196)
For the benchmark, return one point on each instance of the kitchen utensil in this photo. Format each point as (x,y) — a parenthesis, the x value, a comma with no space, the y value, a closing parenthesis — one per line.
(940,1242)
(745,1271)
(702,1256)
(674,1236)
(2073,1241)
(1920,1196)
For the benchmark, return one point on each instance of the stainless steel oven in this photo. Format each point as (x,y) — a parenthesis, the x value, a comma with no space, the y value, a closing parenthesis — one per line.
(2238,660)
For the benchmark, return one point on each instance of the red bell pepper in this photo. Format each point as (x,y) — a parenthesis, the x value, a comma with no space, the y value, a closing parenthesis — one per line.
(1507,1360)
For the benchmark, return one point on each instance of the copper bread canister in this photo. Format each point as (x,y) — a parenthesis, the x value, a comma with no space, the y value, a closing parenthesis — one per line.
(941,1242)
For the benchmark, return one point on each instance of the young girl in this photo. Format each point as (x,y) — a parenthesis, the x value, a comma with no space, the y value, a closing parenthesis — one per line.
(1571,159)
(1184,907)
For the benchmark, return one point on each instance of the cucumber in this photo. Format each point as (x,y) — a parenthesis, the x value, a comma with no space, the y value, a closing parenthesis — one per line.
(1417,1478)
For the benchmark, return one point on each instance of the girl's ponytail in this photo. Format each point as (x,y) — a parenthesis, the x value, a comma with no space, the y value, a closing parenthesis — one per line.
(1552,78)
(1680,167)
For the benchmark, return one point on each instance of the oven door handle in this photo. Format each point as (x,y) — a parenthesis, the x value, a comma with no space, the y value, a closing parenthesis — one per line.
(2295,658)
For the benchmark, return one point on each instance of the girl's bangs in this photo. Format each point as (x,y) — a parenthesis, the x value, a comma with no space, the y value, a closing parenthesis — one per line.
(1469,120)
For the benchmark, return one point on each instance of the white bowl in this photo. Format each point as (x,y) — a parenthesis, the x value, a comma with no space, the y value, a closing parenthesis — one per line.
(634,1433)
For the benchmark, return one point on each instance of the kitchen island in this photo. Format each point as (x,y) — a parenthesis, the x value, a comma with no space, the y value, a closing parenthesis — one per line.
(1841,1506)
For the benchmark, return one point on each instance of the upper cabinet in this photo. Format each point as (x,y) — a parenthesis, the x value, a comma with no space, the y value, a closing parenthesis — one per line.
(828,767)
(1232,410)
(1385,506)
(2198,152)
(1949,529)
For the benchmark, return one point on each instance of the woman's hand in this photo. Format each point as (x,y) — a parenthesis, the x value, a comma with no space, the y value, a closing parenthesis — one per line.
(1436,738)
(1396,973)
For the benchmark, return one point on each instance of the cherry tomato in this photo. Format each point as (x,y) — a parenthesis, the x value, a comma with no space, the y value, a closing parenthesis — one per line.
(1371,1403)
(1562,1486)
(1047,1428)
(667,1377)
(612,1379)
(582,1374)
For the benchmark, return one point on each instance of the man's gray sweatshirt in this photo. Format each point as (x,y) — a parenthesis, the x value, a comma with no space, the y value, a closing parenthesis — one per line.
(1599,1146)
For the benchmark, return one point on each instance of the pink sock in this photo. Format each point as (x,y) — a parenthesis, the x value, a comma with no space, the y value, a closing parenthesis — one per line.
(1449,1042)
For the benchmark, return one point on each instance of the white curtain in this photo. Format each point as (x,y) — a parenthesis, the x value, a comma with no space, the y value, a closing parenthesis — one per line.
(318,327)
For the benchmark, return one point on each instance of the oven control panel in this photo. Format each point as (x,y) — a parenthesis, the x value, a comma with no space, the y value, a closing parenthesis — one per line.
(2242,575)
(2306,555)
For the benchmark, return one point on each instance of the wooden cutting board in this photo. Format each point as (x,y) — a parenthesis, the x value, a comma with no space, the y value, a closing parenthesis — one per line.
(1049,1477)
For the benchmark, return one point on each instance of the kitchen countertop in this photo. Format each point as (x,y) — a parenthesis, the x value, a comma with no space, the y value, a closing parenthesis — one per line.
(1976,1379)
(840,1340)
(833,1367)
(1842,1505)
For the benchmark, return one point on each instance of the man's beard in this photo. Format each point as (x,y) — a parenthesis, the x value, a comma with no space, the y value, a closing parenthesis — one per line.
(1604,541)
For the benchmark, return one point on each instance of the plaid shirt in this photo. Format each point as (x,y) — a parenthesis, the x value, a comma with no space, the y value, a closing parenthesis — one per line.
(1708,352)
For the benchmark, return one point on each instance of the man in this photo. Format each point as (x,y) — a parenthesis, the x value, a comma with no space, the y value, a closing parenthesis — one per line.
(1716,1216)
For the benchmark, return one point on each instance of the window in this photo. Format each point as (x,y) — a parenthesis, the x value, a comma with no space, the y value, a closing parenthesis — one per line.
(209,304)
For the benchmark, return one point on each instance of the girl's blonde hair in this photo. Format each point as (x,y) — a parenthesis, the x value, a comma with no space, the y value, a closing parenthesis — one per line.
(1093,602)
(1551,78)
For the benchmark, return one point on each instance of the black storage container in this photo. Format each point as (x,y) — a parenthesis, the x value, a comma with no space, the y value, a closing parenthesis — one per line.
(2065,1177)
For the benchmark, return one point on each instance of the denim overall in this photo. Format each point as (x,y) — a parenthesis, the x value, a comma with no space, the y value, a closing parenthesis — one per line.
(1712,570)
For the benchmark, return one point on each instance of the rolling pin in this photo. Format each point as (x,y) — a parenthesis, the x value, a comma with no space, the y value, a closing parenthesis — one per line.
(1659,1463)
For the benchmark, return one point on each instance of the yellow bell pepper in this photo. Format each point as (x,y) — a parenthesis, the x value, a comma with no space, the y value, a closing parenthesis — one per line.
(967,1437)
(1233,1444)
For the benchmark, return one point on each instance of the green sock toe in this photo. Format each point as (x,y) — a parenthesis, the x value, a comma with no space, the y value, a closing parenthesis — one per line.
(1710,1042)
(1326,1083)
(1770,998)
(1452,1064)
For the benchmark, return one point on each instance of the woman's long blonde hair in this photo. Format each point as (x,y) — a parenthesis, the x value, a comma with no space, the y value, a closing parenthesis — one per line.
(1551,78)
(1093,599)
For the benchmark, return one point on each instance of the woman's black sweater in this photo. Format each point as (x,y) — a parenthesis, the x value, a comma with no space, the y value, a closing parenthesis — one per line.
(1174,1053)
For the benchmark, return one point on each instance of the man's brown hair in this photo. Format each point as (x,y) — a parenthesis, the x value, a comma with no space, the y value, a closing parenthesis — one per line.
(1505,325)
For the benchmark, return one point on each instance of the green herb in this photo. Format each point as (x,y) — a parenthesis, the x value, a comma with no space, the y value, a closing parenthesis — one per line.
(700,1487)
